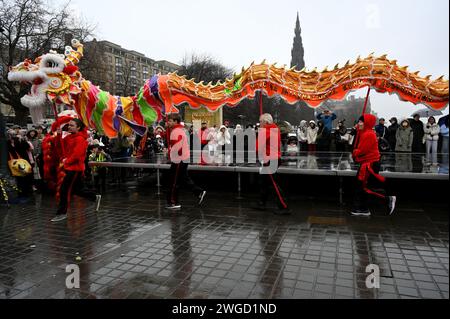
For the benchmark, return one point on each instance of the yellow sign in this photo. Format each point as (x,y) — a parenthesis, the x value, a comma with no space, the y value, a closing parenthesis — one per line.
(196,117)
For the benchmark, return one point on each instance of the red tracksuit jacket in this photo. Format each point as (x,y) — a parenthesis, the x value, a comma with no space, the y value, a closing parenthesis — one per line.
(366,152)
(366,149)
(74,151)
(179,146)
(268,142)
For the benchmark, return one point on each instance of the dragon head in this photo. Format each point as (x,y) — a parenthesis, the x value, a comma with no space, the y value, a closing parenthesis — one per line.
(52,76)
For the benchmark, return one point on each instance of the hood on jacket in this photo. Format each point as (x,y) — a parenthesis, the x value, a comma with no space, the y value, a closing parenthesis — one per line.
(404,120)
(222,126)
(303,123)
(393,119)
(369,121)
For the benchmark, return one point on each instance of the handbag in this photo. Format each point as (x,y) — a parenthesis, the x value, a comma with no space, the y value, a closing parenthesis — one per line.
(18,166)
(383,144)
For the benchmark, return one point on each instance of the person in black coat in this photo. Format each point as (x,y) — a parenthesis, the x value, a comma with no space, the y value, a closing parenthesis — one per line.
(418,133)
(392,131)
(339,137)
(323,138)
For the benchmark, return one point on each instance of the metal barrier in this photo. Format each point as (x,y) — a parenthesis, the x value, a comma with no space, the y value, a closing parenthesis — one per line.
(340,165)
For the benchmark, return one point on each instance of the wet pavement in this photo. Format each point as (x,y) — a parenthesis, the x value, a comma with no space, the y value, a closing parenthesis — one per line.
(134,248)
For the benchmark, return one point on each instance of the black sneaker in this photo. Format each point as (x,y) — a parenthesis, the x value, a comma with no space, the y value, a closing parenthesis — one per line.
(282,211)
(261,206)
(173,206)
(201,197)
(358,212)
(391,204)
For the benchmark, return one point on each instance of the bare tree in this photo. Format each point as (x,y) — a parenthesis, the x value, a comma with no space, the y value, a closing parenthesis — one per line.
(94,65)
(203,68)
(29,28)
(129,77)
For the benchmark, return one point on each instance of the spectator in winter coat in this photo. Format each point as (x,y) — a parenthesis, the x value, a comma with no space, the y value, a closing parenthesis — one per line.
(392,133)
(323,138)
(444,134)
(203,134)
(223,137)
(302,135)
(381,129)
(431,131)
(99,173)
(404,137)
(341,137)
(418,133)
(311,136)
(17,148)
(382,134)
(212,141)
(327,117)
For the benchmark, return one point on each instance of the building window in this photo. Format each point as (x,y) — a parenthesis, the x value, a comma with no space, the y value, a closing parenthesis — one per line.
(145,72)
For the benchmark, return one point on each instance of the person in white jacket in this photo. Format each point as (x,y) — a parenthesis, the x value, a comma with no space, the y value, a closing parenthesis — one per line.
(311,136)
(431,130)
(301,135)
(223,137)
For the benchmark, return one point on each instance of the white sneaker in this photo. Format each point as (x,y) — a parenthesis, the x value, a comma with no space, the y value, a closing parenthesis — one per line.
(173,206)
(97,202)
(358,212)
(201,197)
(58,218)
(391,205)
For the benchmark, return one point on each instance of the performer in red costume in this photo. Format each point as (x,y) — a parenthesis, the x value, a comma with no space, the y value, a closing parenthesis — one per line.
(268,148)
(366,154)
(74,148)
(52,152)
(179,156)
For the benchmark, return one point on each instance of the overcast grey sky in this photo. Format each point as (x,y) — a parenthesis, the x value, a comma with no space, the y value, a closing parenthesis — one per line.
(237,32)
